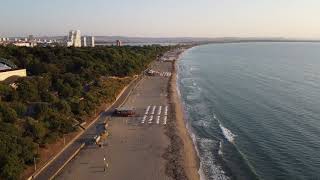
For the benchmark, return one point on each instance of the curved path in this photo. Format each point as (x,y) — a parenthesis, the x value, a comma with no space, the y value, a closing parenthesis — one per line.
(136,146)
(52,169)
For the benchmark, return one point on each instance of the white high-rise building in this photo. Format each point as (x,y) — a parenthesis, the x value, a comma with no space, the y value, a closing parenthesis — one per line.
(77,39)
(74,38)
(87,41)
(4,39)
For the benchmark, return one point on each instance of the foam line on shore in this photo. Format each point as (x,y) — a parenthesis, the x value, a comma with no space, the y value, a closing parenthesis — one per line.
(198,173)
(187,125)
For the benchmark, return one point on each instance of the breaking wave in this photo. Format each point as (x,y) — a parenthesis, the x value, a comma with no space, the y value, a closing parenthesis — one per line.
(209,164)
(227,133)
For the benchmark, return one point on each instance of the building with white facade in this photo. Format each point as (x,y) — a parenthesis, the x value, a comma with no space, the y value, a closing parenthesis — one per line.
(74,38)
(87,41)
(25,43)
(119,43)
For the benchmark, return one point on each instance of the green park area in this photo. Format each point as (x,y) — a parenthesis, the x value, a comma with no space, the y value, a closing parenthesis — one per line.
(64,87)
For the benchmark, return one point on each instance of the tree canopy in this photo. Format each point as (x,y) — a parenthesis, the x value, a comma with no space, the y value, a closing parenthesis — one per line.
(64,86)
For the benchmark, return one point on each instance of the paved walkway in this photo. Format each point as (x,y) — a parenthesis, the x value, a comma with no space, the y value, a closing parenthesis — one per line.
(136,145)
(86,137)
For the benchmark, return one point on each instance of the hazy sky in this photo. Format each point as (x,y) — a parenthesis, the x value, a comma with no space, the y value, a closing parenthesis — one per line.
(162,18)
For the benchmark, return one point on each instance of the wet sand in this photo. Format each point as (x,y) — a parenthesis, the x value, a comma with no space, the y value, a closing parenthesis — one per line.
(184,152)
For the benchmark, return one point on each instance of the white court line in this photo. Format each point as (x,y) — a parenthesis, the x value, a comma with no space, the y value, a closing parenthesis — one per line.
(159,110)
(150,119)
(144,119)
(158,119)
(153,109)
(147,110)
(165,120)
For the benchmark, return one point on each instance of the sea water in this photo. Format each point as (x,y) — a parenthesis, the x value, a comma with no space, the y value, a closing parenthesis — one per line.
(254,109)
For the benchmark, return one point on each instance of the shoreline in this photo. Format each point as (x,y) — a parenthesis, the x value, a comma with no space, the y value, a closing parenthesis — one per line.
(132,139)
(171,150)
(183,149)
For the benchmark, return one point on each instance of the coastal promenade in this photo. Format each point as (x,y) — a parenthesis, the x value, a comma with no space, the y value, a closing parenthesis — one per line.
(153,145)
(52,169)
(136,145)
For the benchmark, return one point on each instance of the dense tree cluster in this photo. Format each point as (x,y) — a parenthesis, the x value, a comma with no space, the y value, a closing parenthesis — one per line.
(63,87)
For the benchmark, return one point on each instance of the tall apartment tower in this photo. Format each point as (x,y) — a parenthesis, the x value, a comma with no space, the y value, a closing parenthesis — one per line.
(74,38)
(87,41)
(31,38)
(119,43)
(84,41)
(90,41)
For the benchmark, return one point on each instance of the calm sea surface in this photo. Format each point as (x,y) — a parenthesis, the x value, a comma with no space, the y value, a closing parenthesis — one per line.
(254,109)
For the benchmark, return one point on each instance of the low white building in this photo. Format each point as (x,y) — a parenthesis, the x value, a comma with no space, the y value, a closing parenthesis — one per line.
(25,44)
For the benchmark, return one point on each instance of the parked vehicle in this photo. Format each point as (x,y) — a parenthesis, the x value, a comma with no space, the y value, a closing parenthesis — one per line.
(124,112)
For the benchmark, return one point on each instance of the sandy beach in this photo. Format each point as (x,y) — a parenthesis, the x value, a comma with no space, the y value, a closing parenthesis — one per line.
(154,144)
(189,159)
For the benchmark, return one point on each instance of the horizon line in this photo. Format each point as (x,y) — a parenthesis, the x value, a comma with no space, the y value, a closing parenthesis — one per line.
(180,37)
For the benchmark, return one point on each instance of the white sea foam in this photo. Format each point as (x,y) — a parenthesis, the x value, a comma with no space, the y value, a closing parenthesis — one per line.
(220,148)
(227,133)
(194,68)
(209,164)
(200,108)
(185,80)
(209,167)
(202,123)
(194,140)
(189,83)
(193,97)
(194,94)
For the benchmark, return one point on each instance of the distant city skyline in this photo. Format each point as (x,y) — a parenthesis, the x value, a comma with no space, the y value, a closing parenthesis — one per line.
(165,18)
